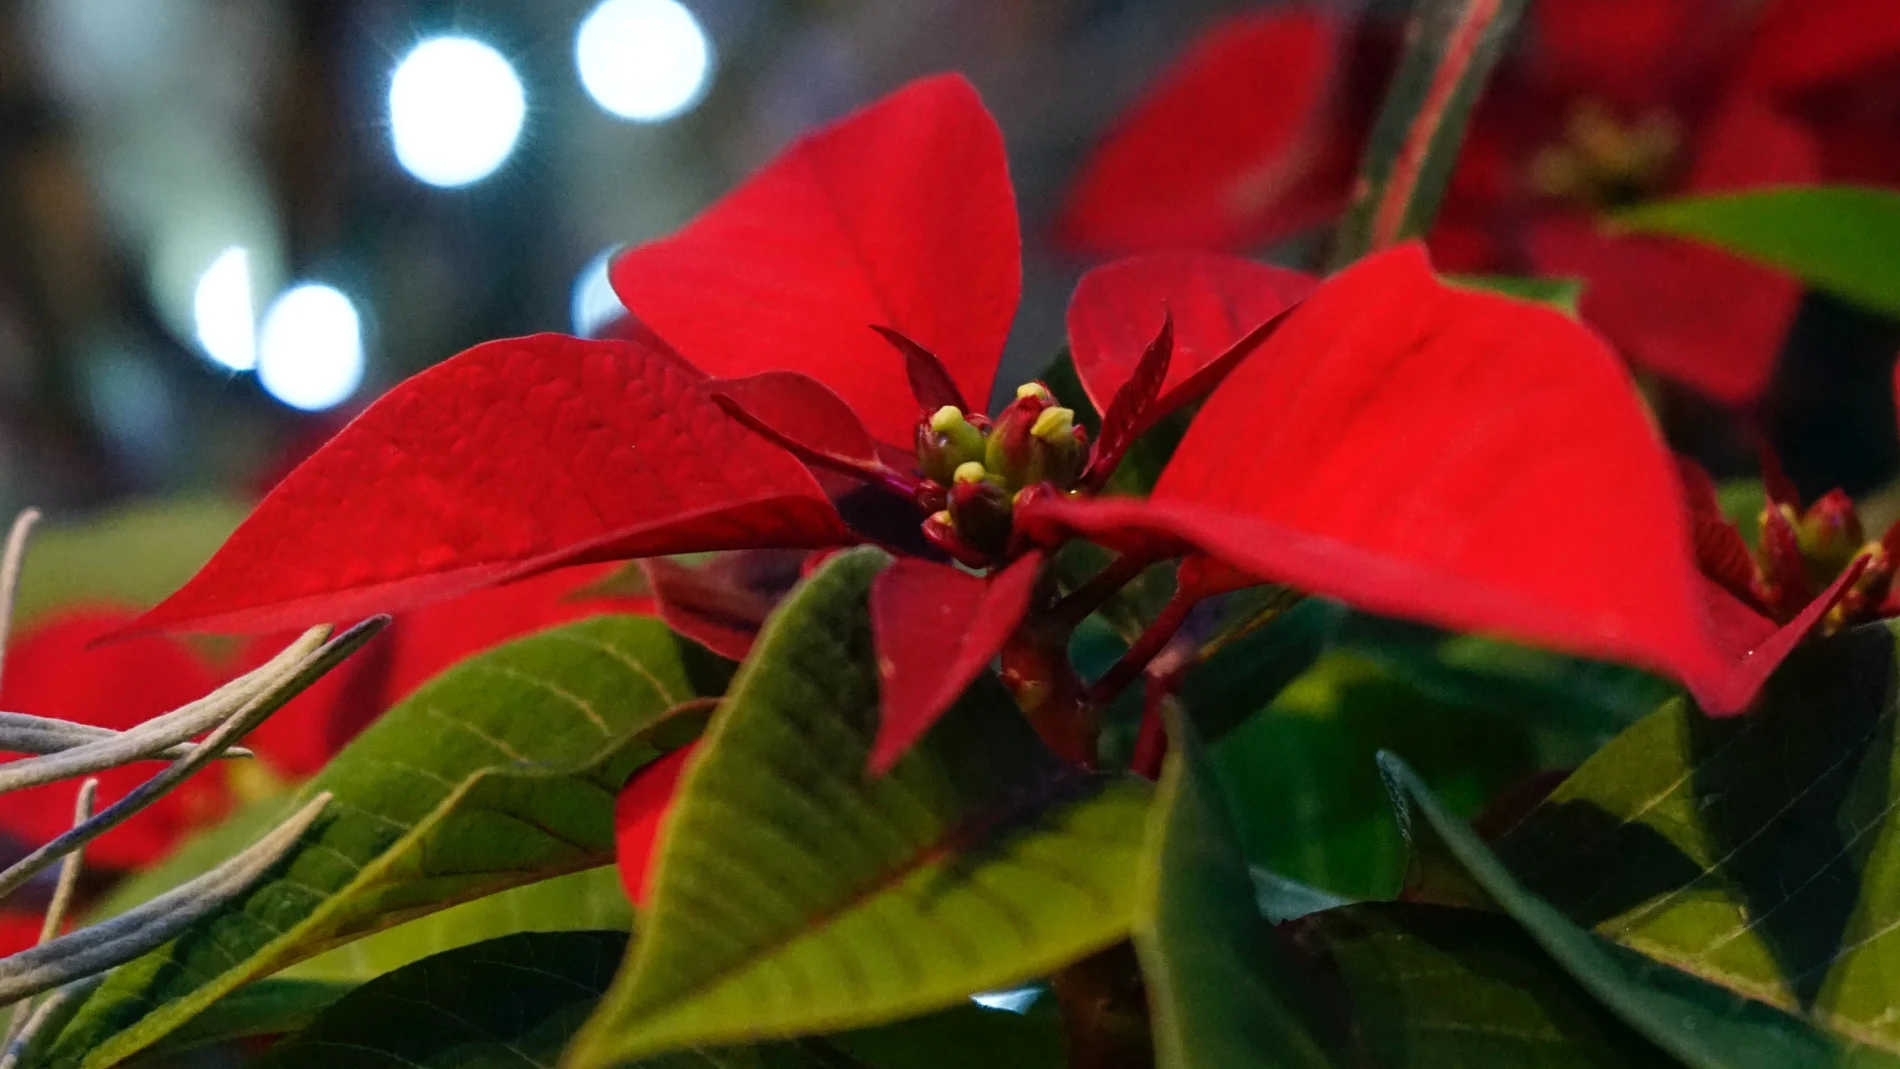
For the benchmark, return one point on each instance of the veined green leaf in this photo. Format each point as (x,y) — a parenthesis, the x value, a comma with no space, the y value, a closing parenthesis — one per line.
(1221,988)
(793,893)
(1761,853)
(1429,987)
(1840,239)
(1700,1023)
(1451,46)
(499,772)
(271,1006)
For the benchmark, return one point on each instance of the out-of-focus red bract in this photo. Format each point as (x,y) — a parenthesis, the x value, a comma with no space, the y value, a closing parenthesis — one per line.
(638,814)
(53,670)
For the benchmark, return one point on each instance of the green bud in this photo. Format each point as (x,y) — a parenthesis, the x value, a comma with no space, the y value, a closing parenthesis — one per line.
(945,441)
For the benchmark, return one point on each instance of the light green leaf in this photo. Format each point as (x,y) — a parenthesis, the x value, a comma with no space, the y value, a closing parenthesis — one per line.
(136,554)
(1560,293)
(793,893)
(1762,852)
(1221,989)
(1450,48)
(499,772)
(1436,988)
(1704,1025)
(1840,239)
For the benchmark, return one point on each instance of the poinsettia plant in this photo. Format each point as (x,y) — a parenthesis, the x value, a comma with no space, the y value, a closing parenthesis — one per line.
(946,713)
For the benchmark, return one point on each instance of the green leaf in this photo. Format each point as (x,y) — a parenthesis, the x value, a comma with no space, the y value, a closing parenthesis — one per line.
(512,1002)
(1451,46)
(272,1006)
(1762,852)
(1305,791)
(1840,239)
(499,772)
(135,554)
(1559,293)
(793,893)
(963,1036)
(1430,987)
(588,900)
(1221,988)
(1698,1022)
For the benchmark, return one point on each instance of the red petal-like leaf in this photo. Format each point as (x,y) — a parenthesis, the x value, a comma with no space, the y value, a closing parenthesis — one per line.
(1635,54)
(53,670)
(802,414)
(509,459)
(637,815)
(1719,547)
(1215,302)
(1459,458)
(936,628)
(930,381)
(416,646)
(1128,413)
(1233,147)
(722,604)
(899,215)
(1800,44)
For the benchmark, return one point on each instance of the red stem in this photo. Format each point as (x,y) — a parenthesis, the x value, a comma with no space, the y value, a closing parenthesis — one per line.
(1075,607)
(1151,642)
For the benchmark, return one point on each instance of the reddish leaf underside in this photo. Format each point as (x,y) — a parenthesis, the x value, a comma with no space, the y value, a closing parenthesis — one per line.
(899,215)
(931,384)
(800,413)
(1214,300)
(1231,149)
(1459,458)
(512,458)
(720,605)
(935,629)
(52,670)
(1719,547)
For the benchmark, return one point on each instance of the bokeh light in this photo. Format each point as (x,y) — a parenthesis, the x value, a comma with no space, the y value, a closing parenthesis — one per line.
(643,60)
(310,348)
(223,313)
(594,304)
(456,107)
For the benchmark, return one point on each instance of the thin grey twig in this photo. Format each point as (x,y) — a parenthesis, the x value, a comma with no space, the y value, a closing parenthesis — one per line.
(166,731)
(62,896)
(26,733)
(10,561)
(113,942)
(252,714)
(18,1045)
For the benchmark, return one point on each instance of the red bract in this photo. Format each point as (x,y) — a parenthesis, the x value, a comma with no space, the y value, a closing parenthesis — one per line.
(1458,458)
(53,670)
(1610,102)
(1236,145)
(416,645)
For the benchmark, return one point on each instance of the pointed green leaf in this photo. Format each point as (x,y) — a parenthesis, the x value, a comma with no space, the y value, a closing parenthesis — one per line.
(794,893)
(1221,988)
(1762,853)
(1704,1025)
(1428,987)
(499,772)
(272,1006)
(1451,47)
(1835,238)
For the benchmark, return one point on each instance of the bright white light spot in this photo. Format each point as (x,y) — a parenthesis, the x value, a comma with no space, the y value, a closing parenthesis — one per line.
(594,304)
(222,312)
(310,350)
(455,110)
(645,60)
(1016,1001)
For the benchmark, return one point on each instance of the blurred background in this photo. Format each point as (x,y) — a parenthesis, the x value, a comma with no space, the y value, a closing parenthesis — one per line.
(226,225)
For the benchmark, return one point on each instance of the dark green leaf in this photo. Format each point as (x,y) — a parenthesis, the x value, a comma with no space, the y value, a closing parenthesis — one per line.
(961,1037)
(1835,238)
(1222,990)
(793,893)
(269,1007)
(1428,987)
(1305,791)
(1761,853)
(499,772)
(1451,46)
(1700,1023)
